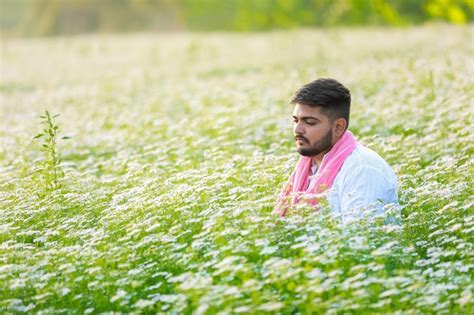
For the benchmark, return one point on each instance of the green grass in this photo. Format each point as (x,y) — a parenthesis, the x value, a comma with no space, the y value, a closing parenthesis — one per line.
(180,144)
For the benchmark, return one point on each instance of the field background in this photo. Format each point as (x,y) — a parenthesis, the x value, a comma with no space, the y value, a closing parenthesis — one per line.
(179,145)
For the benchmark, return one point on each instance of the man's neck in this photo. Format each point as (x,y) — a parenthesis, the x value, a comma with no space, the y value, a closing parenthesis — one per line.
(318,159)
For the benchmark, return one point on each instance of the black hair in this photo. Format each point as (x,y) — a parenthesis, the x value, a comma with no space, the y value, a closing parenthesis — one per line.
(329,94)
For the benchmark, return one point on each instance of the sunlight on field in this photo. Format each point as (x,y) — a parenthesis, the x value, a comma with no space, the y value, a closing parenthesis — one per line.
(179,146)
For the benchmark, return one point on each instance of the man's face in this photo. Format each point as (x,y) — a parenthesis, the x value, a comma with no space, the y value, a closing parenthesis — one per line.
(312,130)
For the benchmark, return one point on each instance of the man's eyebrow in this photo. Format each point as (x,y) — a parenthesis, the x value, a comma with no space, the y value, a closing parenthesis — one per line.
(306,117)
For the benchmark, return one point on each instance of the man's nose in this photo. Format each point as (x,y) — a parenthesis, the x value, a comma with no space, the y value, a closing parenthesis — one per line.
(298,128)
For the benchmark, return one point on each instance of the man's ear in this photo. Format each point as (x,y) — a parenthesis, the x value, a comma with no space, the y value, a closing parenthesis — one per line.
(339,126)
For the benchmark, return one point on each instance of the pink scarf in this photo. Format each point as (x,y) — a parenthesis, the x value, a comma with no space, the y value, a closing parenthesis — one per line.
(297,185)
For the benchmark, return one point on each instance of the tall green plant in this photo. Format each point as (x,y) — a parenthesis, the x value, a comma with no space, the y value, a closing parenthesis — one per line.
(50,167)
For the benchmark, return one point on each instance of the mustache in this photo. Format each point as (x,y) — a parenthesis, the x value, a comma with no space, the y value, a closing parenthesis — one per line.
(301,138)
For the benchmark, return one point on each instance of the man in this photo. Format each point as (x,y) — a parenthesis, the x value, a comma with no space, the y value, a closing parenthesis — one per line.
(332,164)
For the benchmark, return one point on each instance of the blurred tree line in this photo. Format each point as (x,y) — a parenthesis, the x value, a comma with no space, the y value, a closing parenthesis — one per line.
(56,17)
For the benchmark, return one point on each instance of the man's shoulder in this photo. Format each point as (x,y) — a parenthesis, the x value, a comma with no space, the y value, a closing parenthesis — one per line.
(363,158)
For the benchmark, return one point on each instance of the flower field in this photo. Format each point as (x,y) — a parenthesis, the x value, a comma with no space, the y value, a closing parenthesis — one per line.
(179,145)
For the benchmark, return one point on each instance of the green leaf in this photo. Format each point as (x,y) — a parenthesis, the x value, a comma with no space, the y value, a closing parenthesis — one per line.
(66,137)
(38,136)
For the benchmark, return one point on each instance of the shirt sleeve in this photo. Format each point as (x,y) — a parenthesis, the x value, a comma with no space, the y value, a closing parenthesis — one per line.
(364,193)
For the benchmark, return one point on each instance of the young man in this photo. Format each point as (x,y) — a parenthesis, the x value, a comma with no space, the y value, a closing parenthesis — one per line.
(354,178)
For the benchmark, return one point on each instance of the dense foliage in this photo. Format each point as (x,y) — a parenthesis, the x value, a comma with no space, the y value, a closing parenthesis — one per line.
(53,17)
(179,146)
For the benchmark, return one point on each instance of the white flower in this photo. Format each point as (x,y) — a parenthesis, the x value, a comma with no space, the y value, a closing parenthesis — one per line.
(141,303)
(268,250)
(271,306)
(120,294)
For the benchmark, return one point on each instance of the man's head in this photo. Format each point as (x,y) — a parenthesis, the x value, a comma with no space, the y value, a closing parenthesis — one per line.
(321,115)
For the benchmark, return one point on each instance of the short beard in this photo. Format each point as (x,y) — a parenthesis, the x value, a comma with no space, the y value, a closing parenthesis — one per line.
(325,144)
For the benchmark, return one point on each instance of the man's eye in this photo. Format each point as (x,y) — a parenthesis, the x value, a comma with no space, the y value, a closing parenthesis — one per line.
(311,123)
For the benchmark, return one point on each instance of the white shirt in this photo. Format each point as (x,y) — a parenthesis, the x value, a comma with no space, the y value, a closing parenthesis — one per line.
(364,181)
